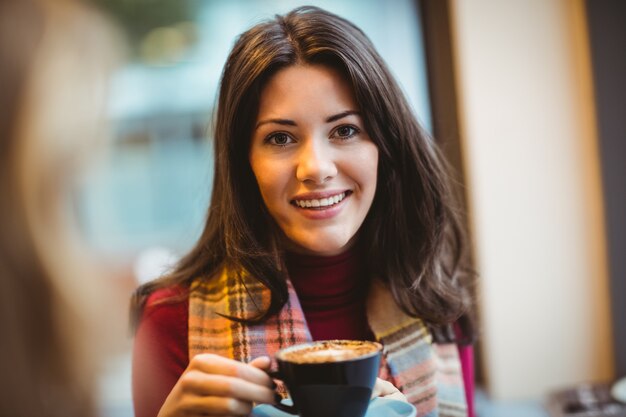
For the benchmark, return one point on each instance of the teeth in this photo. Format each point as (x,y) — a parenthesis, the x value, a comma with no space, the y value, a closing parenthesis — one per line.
(324,202)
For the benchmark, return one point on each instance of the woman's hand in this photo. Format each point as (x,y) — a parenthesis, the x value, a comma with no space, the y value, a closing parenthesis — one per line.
(386,389)
(214,385)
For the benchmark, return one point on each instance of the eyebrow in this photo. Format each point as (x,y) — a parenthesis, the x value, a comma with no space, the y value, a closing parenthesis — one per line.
(288,122)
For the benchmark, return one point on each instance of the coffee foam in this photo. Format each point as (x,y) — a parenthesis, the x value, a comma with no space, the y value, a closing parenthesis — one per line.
(329,351)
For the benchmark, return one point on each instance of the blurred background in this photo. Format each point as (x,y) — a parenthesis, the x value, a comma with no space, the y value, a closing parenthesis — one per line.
(527,102)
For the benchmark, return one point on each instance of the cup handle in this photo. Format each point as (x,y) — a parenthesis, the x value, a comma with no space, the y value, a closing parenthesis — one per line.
(291,409)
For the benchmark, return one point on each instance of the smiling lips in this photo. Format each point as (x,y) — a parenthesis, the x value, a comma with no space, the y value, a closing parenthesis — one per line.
(320,203)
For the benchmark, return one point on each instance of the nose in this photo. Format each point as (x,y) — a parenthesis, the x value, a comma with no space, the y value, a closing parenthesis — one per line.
(315,162)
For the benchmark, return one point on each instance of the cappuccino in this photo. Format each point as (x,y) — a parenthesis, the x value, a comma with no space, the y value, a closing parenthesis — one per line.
(327,351)
(329,378)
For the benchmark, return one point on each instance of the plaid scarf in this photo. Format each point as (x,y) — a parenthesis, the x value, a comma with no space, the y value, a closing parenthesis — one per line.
(428,374)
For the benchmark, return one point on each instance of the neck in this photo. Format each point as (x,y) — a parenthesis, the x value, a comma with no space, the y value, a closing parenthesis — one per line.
(332,291)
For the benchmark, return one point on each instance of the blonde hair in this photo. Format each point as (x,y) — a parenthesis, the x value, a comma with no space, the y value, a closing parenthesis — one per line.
(56,58)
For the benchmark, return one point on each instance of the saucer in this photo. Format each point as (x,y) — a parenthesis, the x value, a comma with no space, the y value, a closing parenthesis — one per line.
(379,407)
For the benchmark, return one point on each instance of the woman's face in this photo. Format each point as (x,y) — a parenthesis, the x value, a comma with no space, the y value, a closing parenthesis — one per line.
(315,164)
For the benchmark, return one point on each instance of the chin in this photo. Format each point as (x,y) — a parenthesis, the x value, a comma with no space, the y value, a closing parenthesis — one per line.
(322,246)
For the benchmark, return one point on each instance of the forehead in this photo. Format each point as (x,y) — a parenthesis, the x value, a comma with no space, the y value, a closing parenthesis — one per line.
(307,86)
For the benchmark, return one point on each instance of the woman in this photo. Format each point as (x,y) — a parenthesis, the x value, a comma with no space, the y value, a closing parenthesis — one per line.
(330,218)
(56,56)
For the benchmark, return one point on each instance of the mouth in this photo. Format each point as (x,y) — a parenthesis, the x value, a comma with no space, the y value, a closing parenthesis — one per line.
(321,203)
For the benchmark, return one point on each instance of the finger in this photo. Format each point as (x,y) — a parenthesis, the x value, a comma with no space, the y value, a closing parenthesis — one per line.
(262,362)
(215,364)
(396,396)
(376,391)
(384,388)
(199,383)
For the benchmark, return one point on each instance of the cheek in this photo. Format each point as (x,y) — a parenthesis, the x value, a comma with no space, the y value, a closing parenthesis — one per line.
(367,164)
(267,188)
(269,180)
(259,169)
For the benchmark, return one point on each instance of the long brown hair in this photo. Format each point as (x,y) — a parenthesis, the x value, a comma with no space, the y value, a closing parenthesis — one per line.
(411,235)
(45,369)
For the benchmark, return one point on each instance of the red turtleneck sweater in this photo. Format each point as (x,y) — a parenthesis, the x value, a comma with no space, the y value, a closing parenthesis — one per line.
(332,294)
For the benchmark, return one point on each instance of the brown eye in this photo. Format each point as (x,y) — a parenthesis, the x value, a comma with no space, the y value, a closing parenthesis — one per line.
(279,139)
(345,132)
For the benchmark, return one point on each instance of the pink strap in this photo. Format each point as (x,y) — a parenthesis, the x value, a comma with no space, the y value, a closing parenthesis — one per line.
(466,354)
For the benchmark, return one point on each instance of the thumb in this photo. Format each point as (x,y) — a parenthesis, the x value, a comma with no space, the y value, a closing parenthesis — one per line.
(378,389)
(262,362)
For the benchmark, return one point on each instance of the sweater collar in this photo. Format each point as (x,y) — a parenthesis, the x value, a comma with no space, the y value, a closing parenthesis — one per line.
(327,281)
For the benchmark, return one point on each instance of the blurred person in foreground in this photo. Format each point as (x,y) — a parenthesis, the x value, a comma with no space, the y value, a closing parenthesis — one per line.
(56,56)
